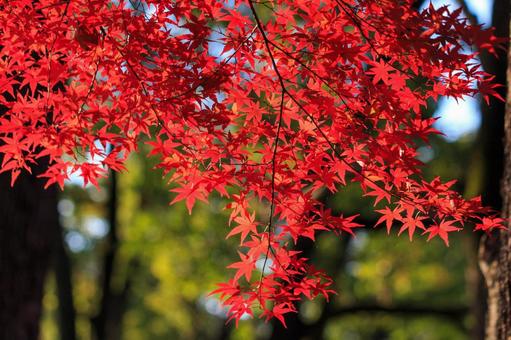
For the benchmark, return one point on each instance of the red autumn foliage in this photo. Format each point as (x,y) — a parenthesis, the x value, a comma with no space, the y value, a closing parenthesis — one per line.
(264,110)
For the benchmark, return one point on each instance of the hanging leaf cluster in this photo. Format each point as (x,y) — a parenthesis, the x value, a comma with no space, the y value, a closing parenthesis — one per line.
(266,103)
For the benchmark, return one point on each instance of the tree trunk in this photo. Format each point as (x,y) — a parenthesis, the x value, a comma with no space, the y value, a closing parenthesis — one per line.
(28,217)
(107,323)
(63,276)
(495,250)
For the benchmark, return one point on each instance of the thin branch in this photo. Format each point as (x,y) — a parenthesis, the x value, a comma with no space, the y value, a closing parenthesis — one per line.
(315,74)
(267,44)
(269,227)
(284,92)
(403,198)
(357,22)
(91,87)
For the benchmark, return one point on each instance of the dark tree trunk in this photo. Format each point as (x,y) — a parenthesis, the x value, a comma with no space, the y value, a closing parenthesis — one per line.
(28,221)
(28,225)
(101,322)
(107,323)
(63,276)
(495,250)
(28,217)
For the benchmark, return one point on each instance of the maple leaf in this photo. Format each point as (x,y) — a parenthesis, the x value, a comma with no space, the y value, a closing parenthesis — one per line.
(487,90)
(490,223)
(90,173)
(246,225)
(229,288)
(397,80)
(245,267)
(442,229)
(378,192)
(389,216)
(381,71)
(278,312)
(190,193)
(346,224)
(411,222)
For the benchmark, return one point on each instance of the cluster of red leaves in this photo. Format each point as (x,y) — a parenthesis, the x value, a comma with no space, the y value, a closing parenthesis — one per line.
(266,110)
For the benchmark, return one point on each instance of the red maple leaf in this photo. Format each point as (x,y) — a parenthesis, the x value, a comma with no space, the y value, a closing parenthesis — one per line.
(246,224)
(442,229)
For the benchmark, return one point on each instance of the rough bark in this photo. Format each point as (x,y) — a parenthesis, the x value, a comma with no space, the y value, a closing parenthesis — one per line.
(495,250)
(28,216)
